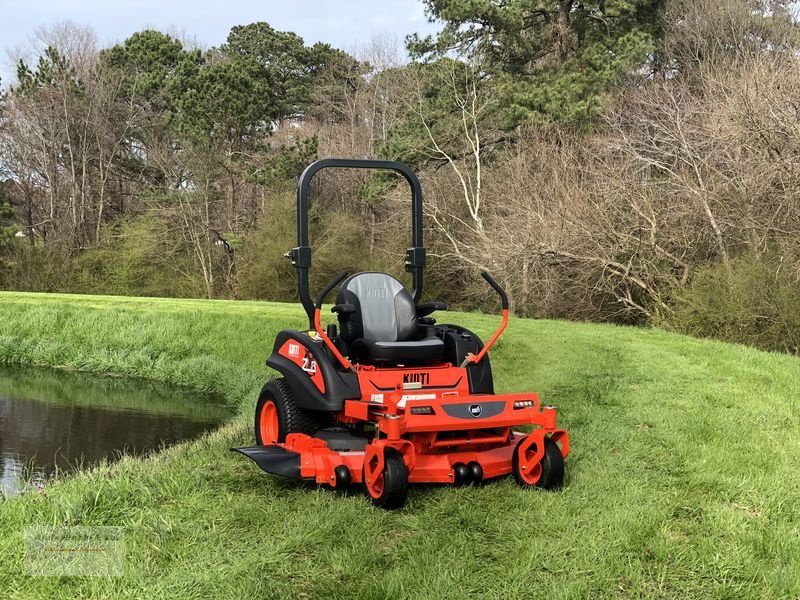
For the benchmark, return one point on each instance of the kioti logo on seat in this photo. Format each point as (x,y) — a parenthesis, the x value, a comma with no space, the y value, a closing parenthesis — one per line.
(376,293)
(423,378)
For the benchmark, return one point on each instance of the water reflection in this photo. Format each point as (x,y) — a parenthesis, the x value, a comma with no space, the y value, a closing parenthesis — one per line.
(52,420)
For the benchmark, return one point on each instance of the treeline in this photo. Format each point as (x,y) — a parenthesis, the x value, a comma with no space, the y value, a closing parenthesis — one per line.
(633,161)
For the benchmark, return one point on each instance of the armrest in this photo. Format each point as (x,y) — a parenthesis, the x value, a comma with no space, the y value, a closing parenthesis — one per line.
(423,310)
(344,309)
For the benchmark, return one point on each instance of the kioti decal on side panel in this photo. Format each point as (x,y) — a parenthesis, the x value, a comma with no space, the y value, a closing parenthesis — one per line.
(302,357)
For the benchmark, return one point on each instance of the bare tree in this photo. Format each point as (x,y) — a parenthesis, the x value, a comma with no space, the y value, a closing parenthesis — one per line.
(455,147)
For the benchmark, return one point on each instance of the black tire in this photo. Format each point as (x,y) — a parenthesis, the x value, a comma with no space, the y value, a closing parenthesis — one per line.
(395,482)
(291,419)
(552,475)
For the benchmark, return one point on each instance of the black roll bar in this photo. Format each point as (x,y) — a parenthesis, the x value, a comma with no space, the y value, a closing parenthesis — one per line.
(301,255)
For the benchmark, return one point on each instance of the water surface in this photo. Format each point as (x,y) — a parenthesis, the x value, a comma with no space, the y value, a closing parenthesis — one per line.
(53,420)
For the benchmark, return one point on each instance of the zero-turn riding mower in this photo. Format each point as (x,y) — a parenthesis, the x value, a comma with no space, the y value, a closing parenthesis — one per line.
(391,397)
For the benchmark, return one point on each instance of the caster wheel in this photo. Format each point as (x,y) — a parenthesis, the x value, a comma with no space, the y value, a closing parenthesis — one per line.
(388,489)
(548,474)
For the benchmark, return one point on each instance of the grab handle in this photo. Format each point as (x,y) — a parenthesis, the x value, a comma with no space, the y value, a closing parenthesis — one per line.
(476,358)
(500,291)
(337,279)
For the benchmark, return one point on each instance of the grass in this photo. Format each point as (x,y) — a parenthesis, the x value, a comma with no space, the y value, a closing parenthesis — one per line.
(682,481)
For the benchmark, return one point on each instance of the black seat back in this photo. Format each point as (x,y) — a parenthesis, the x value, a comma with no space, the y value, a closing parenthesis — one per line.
(385,310)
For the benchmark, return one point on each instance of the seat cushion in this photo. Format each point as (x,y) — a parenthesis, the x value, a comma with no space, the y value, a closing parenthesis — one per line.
(426,350)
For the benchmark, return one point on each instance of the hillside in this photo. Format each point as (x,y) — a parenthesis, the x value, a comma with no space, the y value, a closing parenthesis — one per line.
(682,481)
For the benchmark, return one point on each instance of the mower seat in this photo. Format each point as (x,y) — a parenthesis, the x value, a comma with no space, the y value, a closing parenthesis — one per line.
(379,323)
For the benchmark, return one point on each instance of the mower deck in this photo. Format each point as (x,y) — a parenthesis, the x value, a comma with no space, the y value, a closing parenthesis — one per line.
(314,461)
(316,458)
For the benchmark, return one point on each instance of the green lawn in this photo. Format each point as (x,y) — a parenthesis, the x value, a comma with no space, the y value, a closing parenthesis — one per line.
(683,481)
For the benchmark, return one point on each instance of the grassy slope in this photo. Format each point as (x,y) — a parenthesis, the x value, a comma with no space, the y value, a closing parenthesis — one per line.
(683,478)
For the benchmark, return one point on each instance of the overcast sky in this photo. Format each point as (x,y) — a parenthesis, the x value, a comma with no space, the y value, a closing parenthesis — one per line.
(342,23)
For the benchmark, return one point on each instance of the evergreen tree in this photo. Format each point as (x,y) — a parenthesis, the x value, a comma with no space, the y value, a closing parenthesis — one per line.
(551,60)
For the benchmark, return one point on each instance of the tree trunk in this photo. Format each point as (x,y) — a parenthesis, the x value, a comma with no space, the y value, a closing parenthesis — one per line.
(563,29)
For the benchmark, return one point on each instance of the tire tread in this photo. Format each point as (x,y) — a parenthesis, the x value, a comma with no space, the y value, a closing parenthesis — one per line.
(291,418)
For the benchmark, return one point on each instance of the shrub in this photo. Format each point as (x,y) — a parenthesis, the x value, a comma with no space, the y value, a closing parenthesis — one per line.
(757,303)
(337,240)
(138,258)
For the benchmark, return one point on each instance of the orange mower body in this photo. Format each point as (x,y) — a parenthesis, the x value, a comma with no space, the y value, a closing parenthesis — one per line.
(391,398)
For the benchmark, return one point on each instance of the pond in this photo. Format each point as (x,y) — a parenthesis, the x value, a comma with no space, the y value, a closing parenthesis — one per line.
(60,421)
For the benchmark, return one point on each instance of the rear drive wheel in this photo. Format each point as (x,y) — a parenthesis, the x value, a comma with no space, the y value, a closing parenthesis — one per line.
(547,474)
(277,415)
(389,489)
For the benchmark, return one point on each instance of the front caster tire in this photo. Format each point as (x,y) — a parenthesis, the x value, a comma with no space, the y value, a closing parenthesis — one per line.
(548,474)
(277,415)
(388,489)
